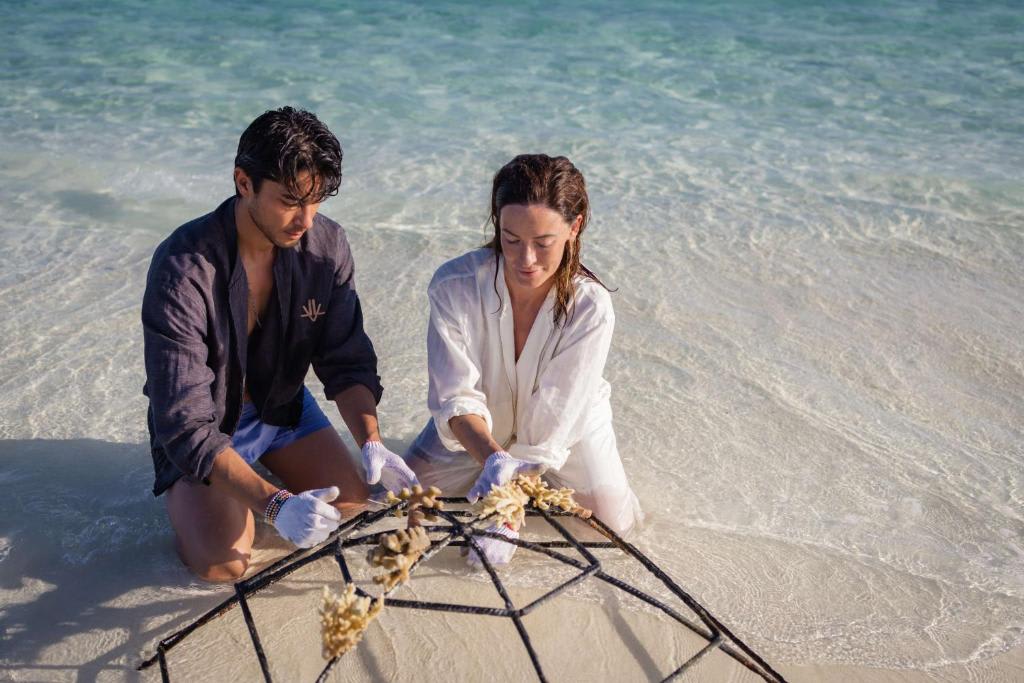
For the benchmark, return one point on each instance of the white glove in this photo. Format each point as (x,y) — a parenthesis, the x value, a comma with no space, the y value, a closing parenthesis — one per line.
(499,469)
(388,468)
(497,552)
(307,519)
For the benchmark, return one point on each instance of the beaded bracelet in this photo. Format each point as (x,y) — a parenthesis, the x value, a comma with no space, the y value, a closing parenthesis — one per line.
(274,506)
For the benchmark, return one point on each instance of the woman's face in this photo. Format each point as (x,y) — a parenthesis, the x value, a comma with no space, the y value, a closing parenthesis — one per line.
(533,239)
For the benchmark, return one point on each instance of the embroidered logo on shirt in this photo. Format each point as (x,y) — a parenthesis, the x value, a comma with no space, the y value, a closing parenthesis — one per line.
(312,310)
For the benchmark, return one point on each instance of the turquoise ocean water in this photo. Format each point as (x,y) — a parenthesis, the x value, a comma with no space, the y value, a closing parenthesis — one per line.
(813,214)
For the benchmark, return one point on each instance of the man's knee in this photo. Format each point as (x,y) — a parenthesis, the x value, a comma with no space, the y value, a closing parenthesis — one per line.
(360,491)
(223,572)
(215,572)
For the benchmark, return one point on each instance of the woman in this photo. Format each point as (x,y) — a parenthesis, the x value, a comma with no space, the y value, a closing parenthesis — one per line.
(518,336)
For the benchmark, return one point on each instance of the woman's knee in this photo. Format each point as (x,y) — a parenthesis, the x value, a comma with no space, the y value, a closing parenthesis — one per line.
(454,476)
(618,509)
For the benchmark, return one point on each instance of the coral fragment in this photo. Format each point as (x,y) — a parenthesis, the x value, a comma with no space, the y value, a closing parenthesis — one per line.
(343,618)
(544,497)
(420,501)
(396,553)
(507,503)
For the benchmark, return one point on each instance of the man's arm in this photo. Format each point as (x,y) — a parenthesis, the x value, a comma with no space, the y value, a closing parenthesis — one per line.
(344,356)
(233,475)
(358,409)
(304,519)
(178,378)
(347,365)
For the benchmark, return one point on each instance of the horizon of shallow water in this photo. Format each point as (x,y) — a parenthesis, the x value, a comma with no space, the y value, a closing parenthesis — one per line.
(813,217)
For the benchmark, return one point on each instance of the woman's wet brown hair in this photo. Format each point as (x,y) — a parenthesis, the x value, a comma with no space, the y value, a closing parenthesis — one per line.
(553,182)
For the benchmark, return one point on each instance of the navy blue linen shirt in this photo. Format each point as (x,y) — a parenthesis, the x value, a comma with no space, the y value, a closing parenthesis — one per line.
(194,320)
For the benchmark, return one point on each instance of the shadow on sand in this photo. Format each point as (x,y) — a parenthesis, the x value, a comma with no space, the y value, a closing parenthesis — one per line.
(89,579)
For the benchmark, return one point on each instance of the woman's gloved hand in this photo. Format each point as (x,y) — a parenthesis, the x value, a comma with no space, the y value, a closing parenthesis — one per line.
(386,467)
(499,469)
(496,551)
(306,519)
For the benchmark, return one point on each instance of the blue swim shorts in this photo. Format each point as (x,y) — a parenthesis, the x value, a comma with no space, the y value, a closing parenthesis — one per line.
(254,439)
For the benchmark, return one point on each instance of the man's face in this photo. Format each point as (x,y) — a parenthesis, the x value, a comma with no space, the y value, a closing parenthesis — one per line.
(278,214)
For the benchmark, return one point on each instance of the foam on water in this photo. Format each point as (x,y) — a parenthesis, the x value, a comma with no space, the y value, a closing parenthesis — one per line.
(813,216)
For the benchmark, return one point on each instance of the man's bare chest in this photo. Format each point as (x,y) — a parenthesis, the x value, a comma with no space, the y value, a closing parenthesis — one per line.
(261,284)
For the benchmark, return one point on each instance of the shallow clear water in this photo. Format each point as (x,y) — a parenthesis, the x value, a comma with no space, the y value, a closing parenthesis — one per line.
(813,214)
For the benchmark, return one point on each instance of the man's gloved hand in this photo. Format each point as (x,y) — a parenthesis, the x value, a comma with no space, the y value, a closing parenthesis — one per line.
(499,469)
(497,552)
(388,468)
(307,519)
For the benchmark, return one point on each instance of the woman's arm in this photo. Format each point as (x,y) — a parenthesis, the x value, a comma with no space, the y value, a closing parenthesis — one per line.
(475,437)
(453,365)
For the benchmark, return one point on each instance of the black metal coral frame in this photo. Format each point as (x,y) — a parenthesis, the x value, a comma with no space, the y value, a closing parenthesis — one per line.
(459,531)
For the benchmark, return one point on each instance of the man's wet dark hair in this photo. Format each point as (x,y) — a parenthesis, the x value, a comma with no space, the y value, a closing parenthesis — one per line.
(282,144)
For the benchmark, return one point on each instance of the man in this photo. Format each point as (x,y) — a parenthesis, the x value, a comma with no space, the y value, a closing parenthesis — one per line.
(238,304)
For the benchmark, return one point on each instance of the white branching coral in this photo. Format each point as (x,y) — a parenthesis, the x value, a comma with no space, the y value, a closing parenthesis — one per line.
(396,553)
(420,502)
(507,503)
(544,497)
(343,618)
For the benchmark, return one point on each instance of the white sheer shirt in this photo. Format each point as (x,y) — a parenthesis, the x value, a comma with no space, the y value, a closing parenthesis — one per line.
(536,408)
